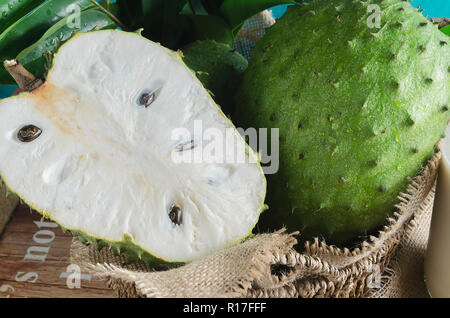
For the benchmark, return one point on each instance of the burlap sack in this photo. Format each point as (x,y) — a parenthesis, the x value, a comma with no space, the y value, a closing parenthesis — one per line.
(267,265)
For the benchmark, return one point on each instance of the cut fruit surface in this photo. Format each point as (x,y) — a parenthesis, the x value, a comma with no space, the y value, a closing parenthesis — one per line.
(96,149)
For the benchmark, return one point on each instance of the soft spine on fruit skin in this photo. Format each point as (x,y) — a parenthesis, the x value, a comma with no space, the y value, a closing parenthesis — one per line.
(218,67)
(359,110)
(126,245)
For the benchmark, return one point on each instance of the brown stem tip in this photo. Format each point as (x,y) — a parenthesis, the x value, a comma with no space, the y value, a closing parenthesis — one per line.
(26,81)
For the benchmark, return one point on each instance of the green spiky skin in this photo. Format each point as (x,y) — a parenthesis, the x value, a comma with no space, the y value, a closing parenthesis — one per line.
(359,110)
(218,67)
(131,252)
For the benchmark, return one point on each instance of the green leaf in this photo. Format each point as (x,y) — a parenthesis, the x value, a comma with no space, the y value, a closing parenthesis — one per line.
(213,6)
(33,25)
(209,27)
(112,7)
(130,13)
(237,11)
(446,29)
(12,10)
(174,25)
(33,58)
(197,7)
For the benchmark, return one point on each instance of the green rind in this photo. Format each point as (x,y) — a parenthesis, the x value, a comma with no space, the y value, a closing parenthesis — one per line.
(131,251)
(218,67)
(34,58)
(359,110)
(31,27)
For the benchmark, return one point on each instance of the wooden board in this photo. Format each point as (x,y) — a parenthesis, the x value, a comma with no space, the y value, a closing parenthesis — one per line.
(34,260)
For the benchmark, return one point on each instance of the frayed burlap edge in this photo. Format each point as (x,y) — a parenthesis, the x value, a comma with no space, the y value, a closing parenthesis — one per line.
(268,266)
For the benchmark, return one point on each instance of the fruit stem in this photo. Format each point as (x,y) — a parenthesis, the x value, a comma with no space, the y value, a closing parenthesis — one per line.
(441,21)
(109,14)
(27,82)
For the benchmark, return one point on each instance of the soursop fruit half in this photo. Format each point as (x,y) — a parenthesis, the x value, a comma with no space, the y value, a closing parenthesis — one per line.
(359,108)
(106,147)
(218,67)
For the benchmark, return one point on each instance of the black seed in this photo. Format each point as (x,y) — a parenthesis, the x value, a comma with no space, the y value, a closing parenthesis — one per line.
(349,209)
(429,80)
(185,146)
(301,156)
(28,133)
(316,74)
(415,150)
(175,214)
(146,99)
(272,117)
(422,48)
(300,126)
(341,180)
(382,189)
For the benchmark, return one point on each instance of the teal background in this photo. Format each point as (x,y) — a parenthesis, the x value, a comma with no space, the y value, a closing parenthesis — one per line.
(432,8)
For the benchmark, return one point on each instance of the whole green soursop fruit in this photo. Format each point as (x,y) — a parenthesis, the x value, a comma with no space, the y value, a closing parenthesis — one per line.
(359,109)
(218,67)
(117,146)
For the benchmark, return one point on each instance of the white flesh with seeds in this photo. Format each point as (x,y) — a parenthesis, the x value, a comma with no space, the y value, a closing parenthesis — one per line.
(103,164)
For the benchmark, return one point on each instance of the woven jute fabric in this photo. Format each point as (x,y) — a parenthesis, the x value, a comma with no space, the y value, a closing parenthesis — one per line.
(8,203)
(267,265)
(252,31)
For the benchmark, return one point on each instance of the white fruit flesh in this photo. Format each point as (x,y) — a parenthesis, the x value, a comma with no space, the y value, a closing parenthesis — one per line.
(104,165)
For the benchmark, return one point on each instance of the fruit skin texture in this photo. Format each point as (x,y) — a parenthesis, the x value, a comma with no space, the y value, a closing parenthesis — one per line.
(359,110)
(218,67)
(55,92)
